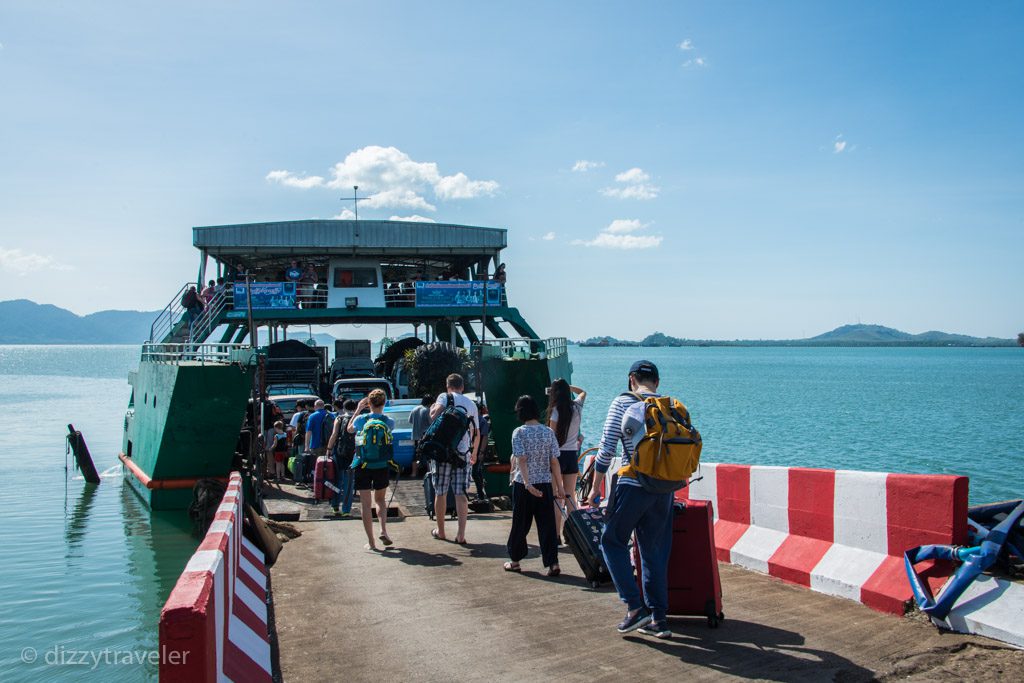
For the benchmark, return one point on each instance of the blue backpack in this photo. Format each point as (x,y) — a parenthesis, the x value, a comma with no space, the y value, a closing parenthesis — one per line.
(376,447)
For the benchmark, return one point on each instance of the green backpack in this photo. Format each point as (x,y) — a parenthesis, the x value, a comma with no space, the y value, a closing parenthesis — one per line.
(375,449)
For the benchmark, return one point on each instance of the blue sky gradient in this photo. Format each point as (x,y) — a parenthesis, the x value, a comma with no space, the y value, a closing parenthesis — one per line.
(805,165)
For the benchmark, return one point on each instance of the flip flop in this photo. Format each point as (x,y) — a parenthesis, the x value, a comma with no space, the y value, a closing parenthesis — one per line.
(512,567)
(462,542)
(435,534)
(385,540)
(554,571)
(370,549)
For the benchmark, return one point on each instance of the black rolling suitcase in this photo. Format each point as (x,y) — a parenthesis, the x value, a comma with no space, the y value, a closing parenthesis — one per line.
(583,536)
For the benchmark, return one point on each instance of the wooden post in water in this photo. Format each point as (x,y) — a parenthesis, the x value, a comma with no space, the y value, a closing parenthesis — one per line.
(82,457)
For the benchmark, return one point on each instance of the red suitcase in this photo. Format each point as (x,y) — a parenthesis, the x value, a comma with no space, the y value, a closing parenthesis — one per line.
(323,478)
(694,587)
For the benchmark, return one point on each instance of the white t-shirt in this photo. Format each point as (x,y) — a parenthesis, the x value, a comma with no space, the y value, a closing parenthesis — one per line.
(474,417)
(573,435)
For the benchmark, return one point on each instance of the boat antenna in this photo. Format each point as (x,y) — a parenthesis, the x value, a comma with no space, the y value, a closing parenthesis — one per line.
(355,199)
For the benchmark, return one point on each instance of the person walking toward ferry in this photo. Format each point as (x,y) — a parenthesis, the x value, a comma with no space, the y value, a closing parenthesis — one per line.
(373,455)
(633,508)
(342,447)
(317,433)
(419,418)
(458,476)
(536,488)
(564,415)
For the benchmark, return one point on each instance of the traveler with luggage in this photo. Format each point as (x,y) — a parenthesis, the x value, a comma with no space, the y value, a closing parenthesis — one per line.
(298,424)
(318,430)
(660,452)
(452,443)
(564,416)
(536,488)
(478,467)
(342,448)
(374,449)
(419,418)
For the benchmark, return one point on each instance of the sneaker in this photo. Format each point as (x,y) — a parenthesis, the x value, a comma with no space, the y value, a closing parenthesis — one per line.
(658,629)
(632,623)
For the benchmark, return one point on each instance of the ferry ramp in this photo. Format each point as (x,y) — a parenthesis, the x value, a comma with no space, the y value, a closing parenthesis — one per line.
(430,610)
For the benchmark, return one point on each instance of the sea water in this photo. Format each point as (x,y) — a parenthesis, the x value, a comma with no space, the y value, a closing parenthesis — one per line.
(86,569)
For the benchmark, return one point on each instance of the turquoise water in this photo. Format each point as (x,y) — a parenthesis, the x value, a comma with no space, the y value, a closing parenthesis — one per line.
(87,568)
(924,410)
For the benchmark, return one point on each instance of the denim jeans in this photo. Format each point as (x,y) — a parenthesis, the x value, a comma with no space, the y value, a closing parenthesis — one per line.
(344,479)
(650,515)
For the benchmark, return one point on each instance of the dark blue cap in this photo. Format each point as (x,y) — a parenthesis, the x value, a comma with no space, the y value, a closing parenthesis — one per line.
(644,366)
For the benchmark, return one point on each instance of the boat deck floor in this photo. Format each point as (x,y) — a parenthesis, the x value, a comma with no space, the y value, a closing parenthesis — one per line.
(430,610)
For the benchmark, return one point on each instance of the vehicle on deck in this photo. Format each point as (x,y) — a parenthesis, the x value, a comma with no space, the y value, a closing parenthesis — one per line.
(404,448)
(287,402)
(356,388)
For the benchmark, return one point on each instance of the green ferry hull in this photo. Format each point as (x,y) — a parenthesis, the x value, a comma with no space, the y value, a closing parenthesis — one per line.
(183,423)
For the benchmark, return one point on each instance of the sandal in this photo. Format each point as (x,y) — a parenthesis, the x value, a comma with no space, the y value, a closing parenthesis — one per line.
(438,536)
(554,571)
(385,540)
(462,542)
(512,567)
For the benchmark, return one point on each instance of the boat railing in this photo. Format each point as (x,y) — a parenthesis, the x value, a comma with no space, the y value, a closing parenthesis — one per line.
(201,353)
(396,295)
(167,318)
(207,322)
(519,348)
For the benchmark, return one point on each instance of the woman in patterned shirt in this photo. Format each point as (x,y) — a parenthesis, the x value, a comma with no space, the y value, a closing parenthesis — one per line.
(536,485)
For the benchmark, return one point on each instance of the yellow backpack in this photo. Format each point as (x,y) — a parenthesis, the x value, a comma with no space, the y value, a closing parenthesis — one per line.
(669,451)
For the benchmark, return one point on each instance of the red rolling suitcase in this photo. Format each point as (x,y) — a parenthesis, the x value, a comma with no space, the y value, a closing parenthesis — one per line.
(694,587)
(323,478)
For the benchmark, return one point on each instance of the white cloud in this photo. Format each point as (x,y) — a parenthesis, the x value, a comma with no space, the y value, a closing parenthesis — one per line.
(633,175)
(23,262)
(621,226)
(634,186)
(391,179)
(618,236)
(582,166)
(345,215)
(548,236)
(415,218)
(839,145)
(695,62)
(686,45)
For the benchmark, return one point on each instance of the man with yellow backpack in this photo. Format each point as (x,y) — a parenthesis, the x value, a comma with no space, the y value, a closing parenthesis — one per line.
(661,450)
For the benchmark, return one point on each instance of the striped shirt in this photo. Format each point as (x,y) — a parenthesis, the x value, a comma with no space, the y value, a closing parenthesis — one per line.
(621,425)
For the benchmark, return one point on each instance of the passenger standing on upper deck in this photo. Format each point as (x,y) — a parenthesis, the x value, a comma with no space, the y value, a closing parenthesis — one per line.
(633,508)
(208,292)
(445,473)
(306,284)
(192,304)
(293,273)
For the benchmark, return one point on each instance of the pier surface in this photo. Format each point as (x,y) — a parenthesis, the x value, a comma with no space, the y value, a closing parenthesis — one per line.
(430,610)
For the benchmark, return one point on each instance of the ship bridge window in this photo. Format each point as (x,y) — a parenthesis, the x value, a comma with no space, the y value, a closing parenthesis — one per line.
(355,277)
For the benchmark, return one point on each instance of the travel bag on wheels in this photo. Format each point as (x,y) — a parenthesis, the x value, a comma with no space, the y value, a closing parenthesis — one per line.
(694,587)
(582,534)
(324,478)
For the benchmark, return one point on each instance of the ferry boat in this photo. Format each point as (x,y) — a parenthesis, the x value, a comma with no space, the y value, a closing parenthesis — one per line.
(199,373)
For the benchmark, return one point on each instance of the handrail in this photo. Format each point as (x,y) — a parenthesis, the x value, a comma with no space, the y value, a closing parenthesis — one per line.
(525,347)
(201,353)
(165,320)
(209,319)
(397,294)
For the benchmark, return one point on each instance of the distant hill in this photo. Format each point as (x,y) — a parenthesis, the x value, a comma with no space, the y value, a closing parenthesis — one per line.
(26,322)
(847,335)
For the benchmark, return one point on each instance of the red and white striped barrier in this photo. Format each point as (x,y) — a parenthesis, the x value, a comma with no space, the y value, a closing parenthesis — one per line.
(835,531)
(216,616)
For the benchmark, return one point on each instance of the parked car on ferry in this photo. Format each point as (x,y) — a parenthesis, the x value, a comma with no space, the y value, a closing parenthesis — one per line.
(404,449)
(356,388)
(287,401)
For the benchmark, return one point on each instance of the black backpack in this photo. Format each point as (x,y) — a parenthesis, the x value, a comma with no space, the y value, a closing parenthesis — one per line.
(326,428)
(441,440)
(300,430)
(345,446)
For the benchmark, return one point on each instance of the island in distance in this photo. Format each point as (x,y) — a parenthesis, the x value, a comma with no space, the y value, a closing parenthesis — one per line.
(847,335)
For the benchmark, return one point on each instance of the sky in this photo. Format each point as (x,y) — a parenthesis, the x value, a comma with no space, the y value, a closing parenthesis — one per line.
(719,170)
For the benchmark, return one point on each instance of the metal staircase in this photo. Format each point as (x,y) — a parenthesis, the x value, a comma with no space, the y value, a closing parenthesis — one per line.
(171,326)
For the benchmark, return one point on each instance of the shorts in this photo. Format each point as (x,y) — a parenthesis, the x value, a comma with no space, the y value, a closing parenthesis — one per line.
(568,462)
(279,456)
(371,479)
(444,473)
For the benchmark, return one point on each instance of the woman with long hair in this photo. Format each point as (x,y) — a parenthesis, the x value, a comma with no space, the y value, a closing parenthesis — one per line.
(535,489)
(564,415)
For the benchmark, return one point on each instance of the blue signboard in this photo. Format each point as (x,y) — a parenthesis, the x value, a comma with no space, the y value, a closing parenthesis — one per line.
(266,295)
(457,293)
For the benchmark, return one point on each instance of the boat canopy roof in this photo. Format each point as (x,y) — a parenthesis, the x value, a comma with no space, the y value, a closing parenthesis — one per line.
(394,239)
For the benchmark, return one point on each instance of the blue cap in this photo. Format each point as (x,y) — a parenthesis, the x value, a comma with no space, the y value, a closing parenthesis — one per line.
(644,366)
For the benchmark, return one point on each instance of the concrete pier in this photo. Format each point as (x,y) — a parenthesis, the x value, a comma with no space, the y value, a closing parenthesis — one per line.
(429,610)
